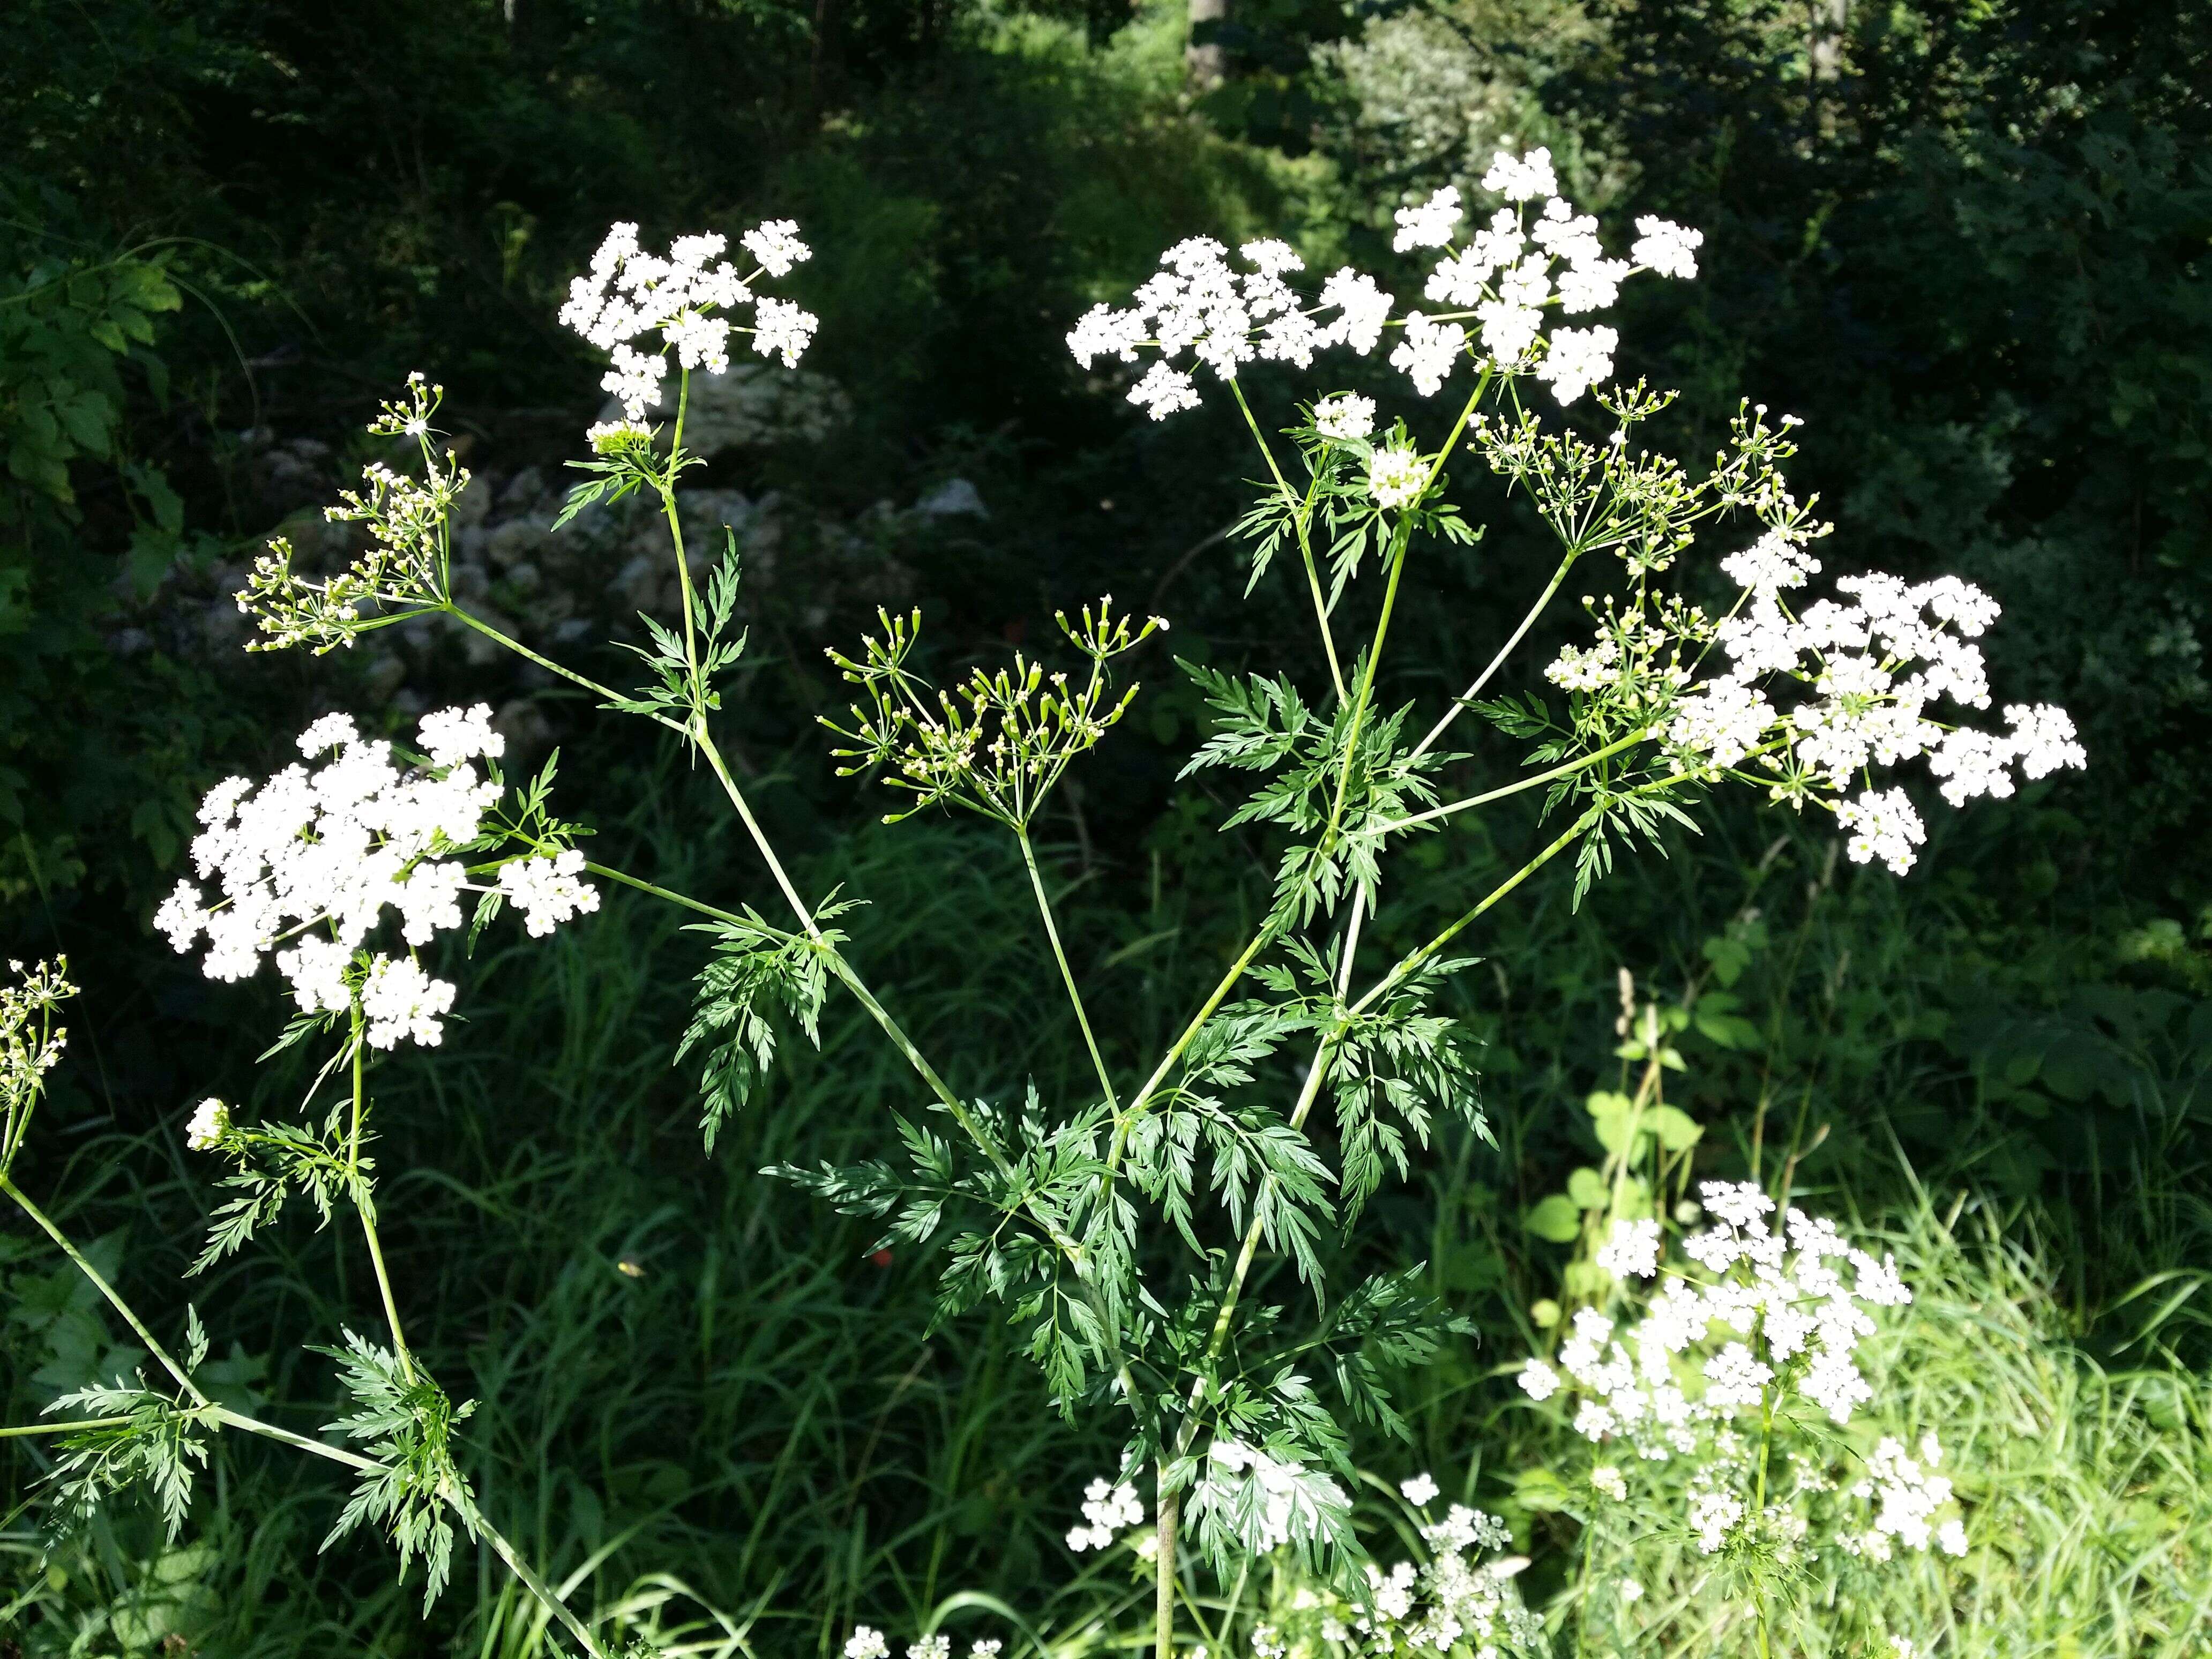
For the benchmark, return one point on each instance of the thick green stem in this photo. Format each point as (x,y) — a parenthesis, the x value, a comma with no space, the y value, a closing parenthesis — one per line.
(77,1259)
(1308,1093)
(1359,702)
(21,1430)
(1066,974)
(1228,983)
(1164,1567)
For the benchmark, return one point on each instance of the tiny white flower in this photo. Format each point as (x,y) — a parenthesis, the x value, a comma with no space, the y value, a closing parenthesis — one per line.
(867,1643)
(1420,1490)
(1538,1381)
(1429,225)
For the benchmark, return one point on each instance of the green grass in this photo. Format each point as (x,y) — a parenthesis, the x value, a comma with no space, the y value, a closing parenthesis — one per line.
(711,1418)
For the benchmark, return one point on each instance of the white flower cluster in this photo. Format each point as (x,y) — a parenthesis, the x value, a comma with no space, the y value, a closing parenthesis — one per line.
(1509,271)
(1775,1315)
(1344,417)
(1874,662)
(1108,1510)
(306,865)
(630,294)
(1396,475)
(548,888)
(868,1642)
(210,1123)
(1908,1496)
(1454,1602)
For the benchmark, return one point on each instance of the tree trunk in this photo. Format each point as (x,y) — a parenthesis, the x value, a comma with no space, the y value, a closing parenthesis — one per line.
(1205,59)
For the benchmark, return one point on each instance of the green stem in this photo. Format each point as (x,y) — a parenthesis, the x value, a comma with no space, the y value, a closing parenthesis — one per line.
(1359,703)
(1308,1093)
(1197,1022)
(1164,1567)
(537,1586)
(81,1424)
(668,894)
(544,662)
(1066,974)
(129,1318)
(1412,962)
(1515,788)
(952,1103)
(365,1206)
(1460,702)
(224,1417)
(676,535)
(1304,521)
(1401,546)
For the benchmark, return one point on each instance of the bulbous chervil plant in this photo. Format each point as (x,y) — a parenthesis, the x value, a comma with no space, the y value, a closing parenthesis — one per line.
(1118,1231)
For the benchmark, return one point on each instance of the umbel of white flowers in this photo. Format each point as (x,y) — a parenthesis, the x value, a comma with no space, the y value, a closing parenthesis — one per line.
(683,298)
(1874,663)
(1766,1316)
(1534,253)
(306,866)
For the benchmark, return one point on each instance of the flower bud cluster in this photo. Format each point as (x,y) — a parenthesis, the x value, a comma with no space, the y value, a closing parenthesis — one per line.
(30,1045)
(405,563)
(1521,262)
(630,294)
(306,865)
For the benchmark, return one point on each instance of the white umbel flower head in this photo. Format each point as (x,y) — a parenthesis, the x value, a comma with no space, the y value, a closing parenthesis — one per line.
(681,302)
(1522,178)
(1430,224)
(1420,1490)
(306,868)
(1109,1509)
(1578,358)
(1344,417)
(1665,247)
(1631,1251)
(548,890)
(1428,351)
(777,245)
(867,1643)
(211,1121)
(1396,475)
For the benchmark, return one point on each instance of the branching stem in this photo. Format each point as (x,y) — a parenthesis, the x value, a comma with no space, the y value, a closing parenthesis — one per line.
(77,1259)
